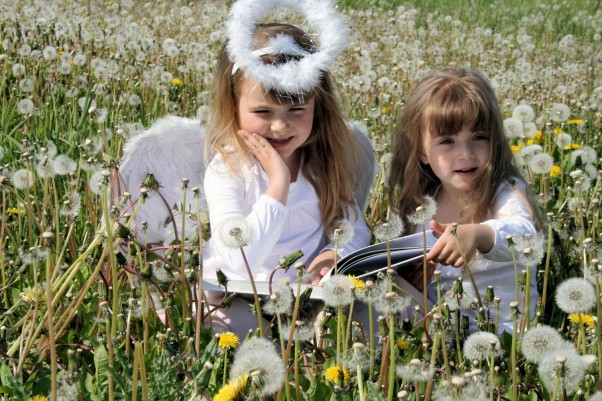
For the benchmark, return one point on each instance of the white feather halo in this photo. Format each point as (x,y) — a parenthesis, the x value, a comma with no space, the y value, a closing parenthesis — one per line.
(296,76)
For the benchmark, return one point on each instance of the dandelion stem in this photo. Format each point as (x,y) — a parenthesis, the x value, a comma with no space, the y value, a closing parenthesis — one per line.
(547,267)
(391,383)
(255,295)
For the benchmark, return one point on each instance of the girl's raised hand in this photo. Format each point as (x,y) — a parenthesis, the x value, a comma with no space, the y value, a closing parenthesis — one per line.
(471,237)
(272,163)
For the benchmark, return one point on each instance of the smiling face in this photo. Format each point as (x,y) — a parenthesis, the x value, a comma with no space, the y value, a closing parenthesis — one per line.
(286,126)
(459,160)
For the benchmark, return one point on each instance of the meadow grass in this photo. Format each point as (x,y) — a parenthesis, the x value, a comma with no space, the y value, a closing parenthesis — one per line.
(78,320)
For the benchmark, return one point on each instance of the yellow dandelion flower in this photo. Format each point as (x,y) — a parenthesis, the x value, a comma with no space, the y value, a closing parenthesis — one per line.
(336,374)
(402,344)
(575,122)
(386,110)
(13,210)
(176,81)
(515,149)
(228,340)
(233,389)
(37,398)
(572,146)
(558,131)
(538,137)
(588,320)
(360,285)
(555,171)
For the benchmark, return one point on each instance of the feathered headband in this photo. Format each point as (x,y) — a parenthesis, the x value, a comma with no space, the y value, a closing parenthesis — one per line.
(295,76)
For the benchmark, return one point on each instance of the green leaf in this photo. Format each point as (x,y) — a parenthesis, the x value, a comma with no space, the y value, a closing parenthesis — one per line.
(101,362)
(374,394)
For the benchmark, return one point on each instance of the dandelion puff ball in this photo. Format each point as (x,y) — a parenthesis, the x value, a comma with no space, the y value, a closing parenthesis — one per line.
(575,295)
(235,233)
(596,397)
(559,112)
(259,354)
(481,345)
(573,372)
(337,290)
(540,340)
(541,163)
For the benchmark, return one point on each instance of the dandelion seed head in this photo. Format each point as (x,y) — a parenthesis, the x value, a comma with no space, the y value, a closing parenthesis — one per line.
(337,290)
(281,300)
(539,340)
(575,295)
(95,183)
(22,179)
(259,356)
(559,112)
(25,106)
(530,248)
(390,303)
(235,233)
(462,301)
(524,113)
(389,230)
(563,140)
(481,345)
(572,372)
(344,232)
(415,370)
(304,330)
(514,128)
(424,212)
(63,165)
(541,163)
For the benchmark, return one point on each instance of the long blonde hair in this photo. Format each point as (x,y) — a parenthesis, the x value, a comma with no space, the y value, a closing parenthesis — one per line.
(329,152)
(443,103)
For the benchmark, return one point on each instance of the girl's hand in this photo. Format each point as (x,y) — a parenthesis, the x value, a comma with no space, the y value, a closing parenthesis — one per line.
(272,163)
(471,237)
(320,266)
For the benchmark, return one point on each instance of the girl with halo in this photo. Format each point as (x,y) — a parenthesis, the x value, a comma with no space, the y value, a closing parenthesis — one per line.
(285,167)
(450,145)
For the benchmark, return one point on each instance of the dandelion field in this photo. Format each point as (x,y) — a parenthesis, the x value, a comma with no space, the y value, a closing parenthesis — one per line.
(78,320)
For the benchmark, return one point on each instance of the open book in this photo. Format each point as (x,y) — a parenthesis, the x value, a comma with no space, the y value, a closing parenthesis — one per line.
(364,264)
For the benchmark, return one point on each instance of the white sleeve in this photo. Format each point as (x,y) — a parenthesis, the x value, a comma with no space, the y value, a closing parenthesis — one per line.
(361,234)
(512,216)
(225,193)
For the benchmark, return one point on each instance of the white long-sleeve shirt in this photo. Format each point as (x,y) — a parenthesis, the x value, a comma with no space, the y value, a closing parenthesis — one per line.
(511,216)
(278,229)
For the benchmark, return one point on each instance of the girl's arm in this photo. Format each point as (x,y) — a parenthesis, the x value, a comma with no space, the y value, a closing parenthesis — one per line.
(512,216)
(227,199)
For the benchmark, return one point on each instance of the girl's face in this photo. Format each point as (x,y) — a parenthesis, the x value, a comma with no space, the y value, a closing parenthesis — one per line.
(457,160)
(285,126)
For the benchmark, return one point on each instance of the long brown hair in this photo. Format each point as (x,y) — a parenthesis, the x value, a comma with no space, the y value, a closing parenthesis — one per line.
(443,103)
(330,150)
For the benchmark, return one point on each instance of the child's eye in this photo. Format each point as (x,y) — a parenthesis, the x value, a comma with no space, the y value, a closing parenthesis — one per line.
(297,108)
(481,137)
(261,111)
(445,141)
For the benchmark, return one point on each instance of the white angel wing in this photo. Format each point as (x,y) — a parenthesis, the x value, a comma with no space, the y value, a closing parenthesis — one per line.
(171,149)
(368,163)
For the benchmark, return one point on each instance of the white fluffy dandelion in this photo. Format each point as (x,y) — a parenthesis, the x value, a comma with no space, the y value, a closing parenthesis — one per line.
(390,229)
(258,358)
(514,128)
(541,163)
(95,182)
(22,178)
(281,299)
(563,140)
(424,212)
(344,232)
(415,370)
(530,248)
(49,53)
(25,106)
(235,232)
(338,290)
(63,165)
(481,345)
(575,295)
(565,365)
(559,112)
(524,113)
(540,340)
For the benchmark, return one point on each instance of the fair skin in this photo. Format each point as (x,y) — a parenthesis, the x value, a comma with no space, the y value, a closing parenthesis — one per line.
(458,161)
(274,132)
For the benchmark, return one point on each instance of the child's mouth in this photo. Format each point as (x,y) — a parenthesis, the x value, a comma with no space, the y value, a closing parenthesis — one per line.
(466,171)
(279,142)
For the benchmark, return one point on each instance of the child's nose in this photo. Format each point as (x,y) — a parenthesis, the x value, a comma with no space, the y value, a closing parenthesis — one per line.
(279,124)
(467,151)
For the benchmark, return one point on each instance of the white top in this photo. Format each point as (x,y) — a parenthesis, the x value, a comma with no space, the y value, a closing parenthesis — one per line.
(511,216)
(278,229)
